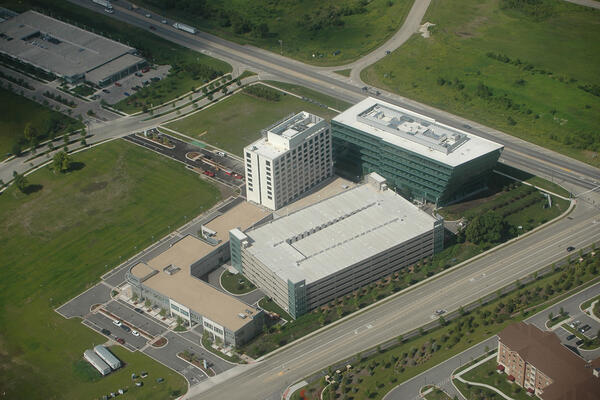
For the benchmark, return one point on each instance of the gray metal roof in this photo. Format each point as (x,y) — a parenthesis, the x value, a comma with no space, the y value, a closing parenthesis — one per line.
(96,362)
(107,356)
(117,65)
(57,46)
(335,233)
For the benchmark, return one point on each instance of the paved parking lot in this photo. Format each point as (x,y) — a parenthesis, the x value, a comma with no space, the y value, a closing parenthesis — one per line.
(133,318)
(117,93)
(100,321)
(80,305)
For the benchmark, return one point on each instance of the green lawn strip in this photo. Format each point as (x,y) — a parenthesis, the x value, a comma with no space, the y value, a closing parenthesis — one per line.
(235,122)
(476,393)
(527,76)
(379,370)
(344,72)
(269,305)
(207,343)
(586,304)
(190,68)
(532,179)
(436,394)
(313,95)
(19,111)
(320,32)
(487,373)
(57,241)
(556,320)
(236,283)
(246,74)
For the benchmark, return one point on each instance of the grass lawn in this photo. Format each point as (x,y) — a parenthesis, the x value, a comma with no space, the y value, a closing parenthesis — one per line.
(486,373)
(190,68)
(83,90)
(532,77)
(313,95)
(236,122)
(18,111)
(532,179)
(344,72)
(476,393)
(58,240)
(586,304)
(267,304)
(236,283)
(372,376)
(320,32)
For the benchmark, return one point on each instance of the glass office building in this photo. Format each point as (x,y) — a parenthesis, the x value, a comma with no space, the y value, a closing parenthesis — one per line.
(421,158)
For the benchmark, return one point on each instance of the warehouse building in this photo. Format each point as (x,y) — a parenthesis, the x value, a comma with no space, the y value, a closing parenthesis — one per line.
(422,158)
(292,157)
(66,50)
(321,252)
(171,281)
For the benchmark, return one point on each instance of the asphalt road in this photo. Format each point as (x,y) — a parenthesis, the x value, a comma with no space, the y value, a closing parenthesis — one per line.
(440,374)
(269,378)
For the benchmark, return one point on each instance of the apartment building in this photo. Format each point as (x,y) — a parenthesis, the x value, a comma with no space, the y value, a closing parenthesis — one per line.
(291,158)
(420,157)
(538,362)
(321,252)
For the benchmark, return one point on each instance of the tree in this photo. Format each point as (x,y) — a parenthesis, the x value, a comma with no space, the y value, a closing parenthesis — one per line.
(61,162)
(147,303)
(29,132)
(20,181)
(163,312)
(16,149)
(487,228)
(66,138)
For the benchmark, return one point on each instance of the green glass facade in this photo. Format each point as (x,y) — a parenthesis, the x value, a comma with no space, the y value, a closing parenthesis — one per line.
(357,153)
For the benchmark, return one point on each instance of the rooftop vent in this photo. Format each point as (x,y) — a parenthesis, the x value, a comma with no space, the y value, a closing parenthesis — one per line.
(171,269)
(242,315)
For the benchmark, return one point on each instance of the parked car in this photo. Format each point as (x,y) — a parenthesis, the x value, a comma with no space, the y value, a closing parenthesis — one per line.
(440,312)
(117,84)
(220,153)
(238,176)
(126,94)
(135,333)
(579,342)
(570,248)
(126,328)
(387,52)
(121,340)
(208,173)
(106,90)
(117,322)
(164,21)
(148,16)
(145,69)
(152,28)
(105,331)
(137,309)
(138,74)
(585,328)
(571,337)
(155,79)
(574,324)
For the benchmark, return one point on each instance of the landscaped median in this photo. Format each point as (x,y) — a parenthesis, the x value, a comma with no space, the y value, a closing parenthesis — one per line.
(376,371)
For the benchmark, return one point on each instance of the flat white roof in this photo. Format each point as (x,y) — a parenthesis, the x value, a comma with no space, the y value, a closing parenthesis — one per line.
(55,45)
(336,233)
(415,132)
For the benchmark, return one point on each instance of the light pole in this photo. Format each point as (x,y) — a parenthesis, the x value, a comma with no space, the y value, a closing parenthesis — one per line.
(281,45)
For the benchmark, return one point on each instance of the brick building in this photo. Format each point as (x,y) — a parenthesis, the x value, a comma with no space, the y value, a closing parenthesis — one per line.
(541,364)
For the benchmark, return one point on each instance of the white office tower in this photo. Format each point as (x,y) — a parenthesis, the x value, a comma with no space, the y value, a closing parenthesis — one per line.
(292,157)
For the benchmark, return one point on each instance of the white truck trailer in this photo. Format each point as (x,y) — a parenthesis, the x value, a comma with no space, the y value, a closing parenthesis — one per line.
(184,27)
(104,3)
(96,362)
(108,357)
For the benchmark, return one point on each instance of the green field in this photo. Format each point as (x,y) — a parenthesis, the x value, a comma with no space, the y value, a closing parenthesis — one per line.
(312,95)
(532,76)
(486,373)
(18,111)
(235,122)
(334,31)
(236,283)
(58,240)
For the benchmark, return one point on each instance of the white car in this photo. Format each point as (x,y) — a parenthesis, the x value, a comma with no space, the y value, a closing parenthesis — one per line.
(117,322)
(135,333)
(440,312)
(148,16)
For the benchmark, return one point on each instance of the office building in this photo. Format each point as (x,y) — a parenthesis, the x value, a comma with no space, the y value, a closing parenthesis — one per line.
(422,158)
(65,50)
(316,254)
(292,157)
(537,361)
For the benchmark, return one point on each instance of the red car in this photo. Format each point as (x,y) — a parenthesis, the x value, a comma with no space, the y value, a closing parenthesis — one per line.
(238,176)
(146,69)
(209,173)
(117,84)
(121,340)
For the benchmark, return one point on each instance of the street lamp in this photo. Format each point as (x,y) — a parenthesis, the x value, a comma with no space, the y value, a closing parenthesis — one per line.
(281,45)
